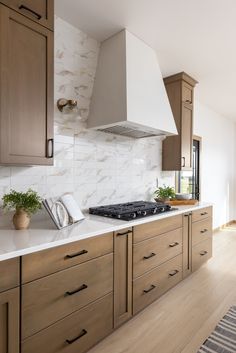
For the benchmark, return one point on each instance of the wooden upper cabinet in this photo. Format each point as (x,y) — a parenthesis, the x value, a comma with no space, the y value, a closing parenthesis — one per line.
(26,90)
(177,150)
(40,11)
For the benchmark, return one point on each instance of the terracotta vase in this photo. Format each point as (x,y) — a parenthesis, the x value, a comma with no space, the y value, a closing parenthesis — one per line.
(21,219)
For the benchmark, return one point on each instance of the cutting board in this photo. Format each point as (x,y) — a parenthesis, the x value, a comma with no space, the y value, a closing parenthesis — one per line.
(182,202)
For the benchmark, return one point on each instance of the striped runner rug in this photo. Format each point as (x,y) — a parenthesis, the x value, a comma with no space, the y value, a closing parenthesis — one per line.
(223,338)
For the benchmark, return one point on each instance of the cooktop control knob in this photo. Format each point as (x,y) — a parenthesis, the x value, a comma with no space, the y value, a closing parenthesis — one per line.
(143,213)
(154,211)
(132,215)
(162,209)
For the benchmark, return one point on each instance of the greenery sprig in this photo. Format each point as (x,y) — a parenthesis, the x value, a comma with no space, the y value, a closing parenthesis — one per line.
(28,201)
(164,193)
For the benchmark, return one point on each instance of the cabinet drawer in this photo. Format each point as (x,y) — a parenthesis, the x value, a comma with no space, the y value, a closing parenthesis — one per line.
(201,230)
(202,214)
(43,263)
(151,229)
(40,11)
(153,252)
(77,332)
(49,299)
(9,274)
(201,253)
(152,285)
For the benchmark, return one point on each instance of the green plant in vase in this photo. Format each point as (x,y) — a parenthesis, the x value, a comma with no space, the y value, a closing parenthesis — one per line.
(24,204)
(164,193)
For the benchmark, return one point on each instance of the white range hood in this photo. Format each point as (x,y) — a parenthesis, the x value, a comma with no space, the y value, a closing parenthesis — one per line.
(129,96)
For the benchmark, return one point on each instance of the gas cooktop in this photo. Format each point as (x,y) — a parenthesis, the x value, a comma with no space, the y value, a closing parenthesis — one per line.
(131,210)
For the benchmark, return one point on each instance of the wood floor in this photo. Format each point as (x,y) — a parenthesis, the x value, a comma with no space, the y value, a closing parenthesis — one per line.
(184,317)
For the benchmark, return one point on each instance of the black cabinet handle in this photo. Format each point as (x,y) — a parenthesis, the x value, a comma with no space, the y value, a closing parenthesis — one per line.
(82,333)
(82,252)
(50,148)
(204,213)
(35,14)
(84,286)
(203,253)
(173,273)
(173,244)
(188,101)
(149,256)
(149,290)
(125,233)
(204,231)
(183,165)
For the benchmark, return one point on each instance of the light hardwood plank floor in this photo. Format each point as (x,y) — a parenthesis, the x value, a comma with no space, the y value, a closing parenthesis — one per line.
(183,318)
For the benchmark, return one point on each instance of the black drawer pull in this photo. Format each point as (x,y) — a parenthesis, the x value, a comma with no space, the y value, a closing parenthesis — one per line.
(50,148)
(173,244)
(82,333)
(37,15)
(188,101)
(149,290)
(149,256)
(125,233)
(84,286)
(82,252)
(204,213)
(204,230)
(203,253)
(173,273)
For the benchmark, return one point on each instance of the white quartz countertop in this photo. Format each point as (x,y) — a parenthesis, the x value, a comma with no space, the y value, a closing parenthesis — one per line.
(43,235)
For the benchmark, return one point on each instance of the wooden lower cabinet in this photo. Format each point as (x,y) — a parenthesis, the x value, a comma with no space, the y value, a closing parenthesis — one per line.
(201,253)
(77,332)
(9,321)
(201,230)
(187,244)
(122,276)
(153,252)
(53,297)
(153,284)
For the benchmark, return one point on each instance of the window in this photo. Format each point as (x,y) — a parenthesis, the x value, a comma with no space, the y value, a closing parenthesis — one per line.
(189,181)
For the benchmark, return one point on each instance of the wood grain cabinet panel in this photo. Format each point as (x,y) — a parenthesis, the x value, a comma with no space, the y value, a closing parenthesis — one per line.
(49,261)
(153,252)
(153,284)
(202,213)
(9,321)
(51,298)
(187,244)
(40,11)
(26,90)
(201,253)
(122,276)
(151,229)
(177,150)
(77,332)
(9,274)
(201,230)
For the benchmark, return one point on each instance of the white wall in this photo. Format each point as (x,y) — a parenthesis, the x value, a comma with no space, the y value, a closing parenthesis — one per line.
(218,161)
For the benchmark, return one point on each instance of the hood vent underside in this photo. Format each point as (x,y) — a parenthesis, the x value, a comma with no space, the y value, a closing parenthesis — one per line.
(127,131)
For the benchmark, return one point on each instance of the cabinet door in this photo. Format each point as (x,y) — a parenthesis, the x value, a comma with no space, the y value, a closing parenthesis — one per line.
(187,244)
(26,91)
(40,11)
(9,321)
(122,276)
(187,136)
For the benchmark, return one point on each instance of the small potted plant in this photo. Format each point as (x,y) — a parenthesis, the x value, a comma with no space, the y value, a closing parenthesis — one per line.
(25,204)
(165,193)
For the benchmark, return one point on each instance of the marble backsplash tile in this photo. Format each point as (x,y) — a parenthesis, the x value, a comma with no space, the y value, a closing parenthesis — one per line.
(97,168)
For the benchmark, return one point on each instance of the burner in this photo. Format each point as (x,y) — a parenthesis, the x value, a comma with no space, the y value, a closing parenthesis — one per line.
(131,210)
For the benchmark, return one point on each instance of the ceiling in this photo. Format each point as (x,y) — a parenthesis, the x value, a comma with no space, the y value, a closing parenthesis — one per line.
(195,36)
